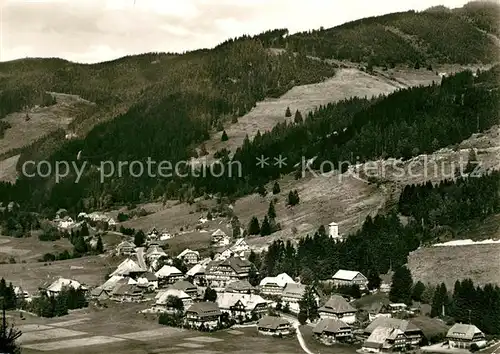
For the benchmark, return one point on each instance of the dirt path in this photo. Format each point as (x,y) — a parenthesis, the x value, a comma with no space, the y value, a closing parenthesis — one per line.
(295,323)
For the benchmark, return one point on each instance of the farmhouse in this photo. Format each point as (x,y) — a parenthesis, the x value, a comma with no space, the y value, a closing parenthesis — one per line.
(413,334)
(385,339)
(220,238)
(349,278)
(464,335)
(185,286)
(57,286)
(197,274)
(128,268)
(241,287)
(273,325)
(189,256)
(329,331)
(206,314)
(376,310)
(168,275)
(125,248)
(220,273)
(162,297)
(242,306)
(127,293)
(154,253)
(148,280)
(275,285)
(385,286)
(292,294)
(338,308)
(99,293)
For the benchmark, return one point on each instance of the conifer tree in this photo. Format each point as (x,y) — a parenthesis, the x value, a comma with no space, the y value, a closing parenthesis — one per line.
(298,117)
(265,229)
(374,280)
(276,188)
(401,287)
(288,113)
(271,211)
(99,246)
(224,136)
(253,226)
(308,305)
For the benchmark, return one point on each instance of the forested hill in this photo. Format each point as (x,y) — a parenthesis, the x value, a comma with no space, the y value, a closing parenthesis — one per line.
(438,35)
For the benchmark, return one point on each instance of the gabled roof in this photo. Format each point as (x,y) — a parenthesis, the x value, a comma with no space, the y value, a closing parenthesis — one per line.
(149,276)
(196,269)
(280,280)
(404,325)
(464,331)
(330,325)
(162,297)
(239,285)
(219,232)
(126,289)
(347,275)
(380,334)
(235,263)
(168,271)
(272,322)
(183,285)
(337,304)
(294,290)
(126,267)
(61,283)
(249,301)
(125,244)
(205,308)
(186,251)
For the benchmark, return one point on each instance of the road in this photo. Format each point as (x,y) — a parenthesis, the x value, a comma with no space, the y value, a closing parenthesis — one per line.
(295,323)
(140,257)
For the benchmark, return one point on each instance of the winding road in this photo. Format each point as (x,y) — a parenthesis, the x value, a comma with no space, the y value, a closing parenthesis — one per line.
(295,323)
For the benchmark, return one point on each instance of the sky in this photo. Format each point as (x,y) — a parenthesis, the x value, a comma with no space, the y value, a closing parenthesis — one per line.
(90,31)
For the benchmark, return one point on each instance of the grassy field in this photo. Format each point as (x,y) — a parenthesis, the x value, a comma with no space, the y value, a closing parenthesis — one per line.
(435,265)
(88,270)
(119,329)
(8,169)
(30,249)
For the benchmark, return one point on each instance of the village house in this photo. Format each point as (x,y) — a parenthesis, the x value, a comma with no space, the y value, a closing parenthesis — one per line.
(161,304)
(349,278)
(240,287)
(127,293)
(413,334)
(275,285)
(187,287)
(376,310)
(330,331)
(338,308)
(220,238)
(189,256)
(125,248)
(98,293)
(464,335)
(292,294)
(197,274)
(62,283)
(385,285)
(168,275)
(148,280)
(242,307)
(128,268)
(219,274)
(21,294)
(206,314)
(154,253)
(385,339)
(240,248)
(273,325)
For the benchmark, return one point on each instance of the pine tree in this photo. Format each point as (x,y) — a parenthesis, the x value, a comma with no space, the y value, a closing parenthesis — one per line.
(253,276)
(288,113)
(439,301)
(293,198)
(236,227)
(61,305)
(374,280)
(224,136)
(139,238)
(85,230)
(276,188)
(401,287)
(271,211)
(253,226)
(418,290)
(261,190)
(265,229)
(308,305)
(99,246)
(210,295)
(298,117)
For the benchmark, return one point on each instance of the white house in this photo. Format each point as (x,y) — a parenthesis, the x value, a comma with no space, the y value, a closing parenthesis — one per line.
(128,267)
(275,285)
(349,278)
(240,247)
(168,274)
(189,256)
(333,231)
(148,280)
(242,306)
(162,297)
(464,335)
(220,238)
(292,295)
(57,286)
(338,308)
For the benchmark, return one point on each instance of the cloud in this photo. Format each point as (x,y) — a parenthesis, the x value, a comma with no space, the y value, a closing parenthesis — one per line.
(98,30)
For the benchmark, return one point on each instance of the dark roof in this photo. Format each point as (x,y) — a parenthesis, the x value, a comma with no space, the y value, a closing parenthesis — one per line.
(294,290)
(403,325)
(127,289)
(149,276)
(239,285)
(183,285)
(330,325)
(272,322)
(337,304)
(463,331)
(205,309)
(235,263)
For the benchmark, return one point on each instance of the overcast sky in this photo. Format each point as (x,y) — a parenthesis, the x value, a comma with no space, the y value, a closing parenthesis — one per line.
(90,31)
